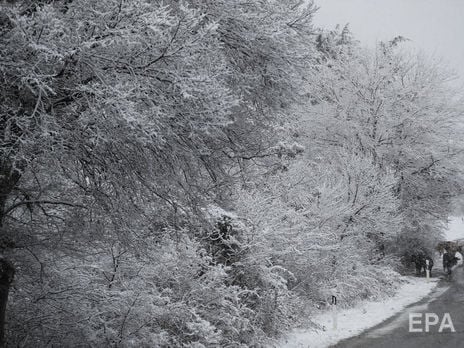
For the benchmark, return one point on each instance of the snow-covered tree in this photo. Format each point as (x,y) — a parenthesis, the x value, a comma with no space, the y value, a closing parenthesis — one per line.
(120,122)
(399,110)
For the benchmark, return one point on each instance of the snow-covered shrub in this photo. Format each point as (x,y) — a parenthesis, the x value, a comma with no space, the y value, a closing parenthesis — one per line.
(328,223)
(263,285)
(173,293)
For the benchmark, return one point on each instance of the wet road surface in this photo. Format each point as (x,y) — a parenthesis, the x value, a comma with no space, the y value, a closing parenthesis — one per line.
(448,297)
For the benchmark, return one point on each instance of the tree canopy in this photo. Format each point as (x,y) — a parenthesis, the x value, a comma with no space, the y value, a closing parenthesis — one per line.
(204,173)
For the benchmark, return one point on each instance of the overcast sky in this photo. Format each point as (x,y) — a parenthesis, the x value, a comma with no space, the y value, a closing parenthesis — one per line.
(433,26)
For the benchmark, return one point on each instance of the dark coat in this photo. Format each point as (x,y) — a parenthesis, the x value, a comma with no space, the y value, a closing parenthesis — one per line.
(449,260)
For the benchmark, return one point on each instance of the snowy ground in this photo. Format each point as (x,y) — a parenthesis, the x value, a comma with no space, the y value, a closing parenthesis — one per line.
(353,321)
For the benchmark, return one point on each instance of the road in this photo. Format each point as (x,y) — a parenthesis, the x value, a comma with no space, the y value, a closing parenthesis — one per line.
(448,297)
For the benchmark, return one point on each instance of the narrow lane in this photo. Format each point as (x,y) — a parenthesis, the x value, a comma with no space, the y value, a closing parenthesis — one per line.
(394,332)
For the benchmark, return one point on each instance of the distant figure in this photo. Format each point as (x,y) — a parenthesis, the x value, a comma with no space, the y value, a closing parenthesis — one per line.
(459,256)
(420,260)
(449,260)
(418,264)
(429,266)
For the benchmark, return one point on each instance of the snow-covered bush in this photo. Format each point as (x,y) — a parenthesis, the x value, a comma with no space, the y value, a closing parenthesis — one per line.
(173,296)
(326,222)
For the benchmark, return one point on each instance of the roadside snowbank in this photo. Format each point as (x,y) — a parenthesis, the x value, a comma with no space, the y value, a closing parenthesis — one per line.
(353,321)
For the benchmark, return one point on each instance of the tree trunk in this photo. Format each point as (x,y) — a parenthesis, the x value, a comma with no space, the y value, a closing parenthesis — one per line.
(8,180)
(6,277)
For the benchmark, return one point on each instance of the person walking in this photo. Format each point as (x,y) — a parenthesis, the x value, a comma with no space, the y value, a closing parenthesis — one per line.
(447,260)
